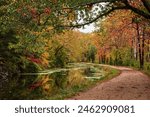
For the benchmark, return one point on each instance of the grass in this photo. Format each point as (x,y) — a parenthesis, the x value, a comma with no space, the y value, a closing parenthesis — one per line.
(69,92)
(146,72)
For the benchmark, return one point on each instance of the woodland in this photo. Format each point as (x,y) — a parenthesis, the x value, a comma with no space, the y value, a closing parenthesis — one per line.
(41,36)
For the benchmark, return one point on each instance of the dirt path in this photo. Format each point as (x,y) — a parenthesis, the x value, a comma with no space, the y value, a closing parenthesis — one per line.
(129,85)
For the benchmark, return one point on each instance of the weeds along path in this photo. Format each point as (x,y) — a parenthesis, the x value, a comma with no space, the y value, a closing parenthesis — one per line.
(129,85)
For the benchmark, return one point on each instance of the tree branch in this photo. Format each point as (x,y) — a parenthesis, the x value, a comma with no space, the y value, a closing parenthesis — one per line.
(95,19)
(137,11)
(127,6)
(146,3)
(95,2)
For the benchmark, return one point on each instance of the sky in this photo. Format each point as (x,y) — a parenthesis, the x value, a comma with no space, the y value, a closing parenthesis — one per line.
(87,29)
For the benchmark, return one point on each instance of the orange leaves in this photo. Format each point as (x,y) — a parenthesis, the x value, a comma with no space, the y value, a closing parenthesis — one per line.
(45,55)
(116,33)
(45,59)
(136,3)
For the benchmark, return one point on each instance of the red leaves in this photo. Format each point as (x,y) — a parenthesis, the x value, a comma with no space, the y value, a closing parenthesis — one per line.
(35,85)
(35,60)
(47,10)
(33,11)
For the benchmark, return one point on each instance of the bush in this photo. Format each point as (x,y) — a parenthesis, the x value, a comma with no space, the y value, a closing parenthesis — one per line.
(9,75)
(27,66)
(147,66)
(60,59)
(15,82)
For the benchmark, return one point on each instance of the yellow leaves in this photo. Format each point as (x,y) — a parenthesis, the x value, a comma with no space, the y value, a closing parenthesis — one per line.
(47,84)
(36,33)
(75,78)
(45,62)
(45,80)
(70,13)
(48,29)
(72,16)
(45,57)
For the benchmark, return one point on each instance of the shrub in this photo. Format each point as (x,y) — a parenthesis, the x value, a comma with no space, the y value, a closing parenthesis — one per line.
(60,58)
(28,66)
(147,66)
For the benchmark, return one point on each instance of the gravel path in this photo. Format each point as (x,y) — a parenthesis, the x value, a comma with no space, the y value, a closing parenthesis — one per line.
(129,85)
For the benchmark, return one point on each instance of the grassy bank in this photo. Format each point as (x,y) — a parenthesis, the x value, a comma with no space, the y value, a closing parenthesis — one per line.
(147,72)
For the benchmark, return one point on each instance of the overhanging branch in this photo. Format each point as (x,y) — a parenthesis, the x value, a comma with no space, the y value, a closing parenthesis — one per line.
(94,2)
(137,11)
(146,3)
(95,19)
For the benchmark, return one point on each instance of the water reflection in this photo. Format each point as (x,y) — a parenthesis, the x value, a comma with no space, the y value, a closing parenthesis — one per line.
(49,82)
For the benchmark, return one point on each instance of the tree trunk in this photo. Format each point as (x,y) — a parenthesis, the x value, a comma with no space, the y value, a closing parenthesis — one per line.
(139,45)
(132,50)
(143,45)
(99,59)
(148,51)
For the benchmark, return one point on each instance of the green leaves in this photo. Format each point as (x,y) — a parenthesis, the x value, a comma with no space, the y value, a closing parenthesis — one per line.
(137,20)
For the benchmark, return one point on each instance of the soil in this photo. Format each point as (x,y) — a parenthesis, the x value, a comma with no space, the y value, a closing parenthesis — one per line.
(129,85)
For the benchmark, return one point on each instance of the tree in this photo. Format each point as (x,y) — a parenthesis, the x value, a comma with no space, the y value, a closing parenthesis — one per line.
(91,53)
(124,35)
(101,8)
(67,14)
(140,27)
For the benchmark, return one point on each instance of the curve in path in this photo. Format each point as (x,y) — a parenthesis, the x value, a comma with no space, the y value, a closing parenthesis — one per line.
(129,85)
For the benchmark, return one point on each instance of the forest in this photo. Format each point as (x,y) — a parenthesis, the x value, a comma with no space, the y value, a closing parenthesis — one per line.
(42,52)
